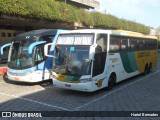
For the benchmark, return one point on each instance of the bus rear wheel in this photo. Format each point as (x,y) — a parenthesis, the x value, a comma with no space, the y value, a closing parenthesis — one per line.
(146,70)
(150,68)
(111,81)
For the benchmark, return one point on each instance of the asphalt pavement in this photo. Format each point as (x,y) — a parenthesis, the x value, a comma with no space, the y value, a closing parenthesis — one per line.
(140,93)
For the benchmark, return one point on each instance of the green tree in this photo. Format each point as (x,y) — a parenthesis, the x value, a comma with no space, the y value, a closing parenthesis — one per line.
(54,10)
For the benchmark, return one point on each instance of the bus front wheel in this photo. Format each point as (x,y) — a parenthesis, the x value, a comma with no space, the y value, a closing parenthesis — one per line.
(111,81)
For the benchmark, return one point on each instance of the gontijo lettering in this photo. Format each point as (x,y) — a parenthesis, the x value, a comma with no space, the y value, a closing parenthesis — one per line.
(143,54)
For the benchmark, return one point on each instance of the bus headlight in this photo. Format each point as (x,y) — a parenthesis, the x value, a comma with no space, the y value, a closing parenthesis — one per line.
(85,80)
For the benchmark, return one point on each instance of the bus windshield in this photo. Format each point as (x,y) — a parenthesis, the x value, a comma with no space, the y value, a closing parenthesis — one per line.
(71,60)
(18,56)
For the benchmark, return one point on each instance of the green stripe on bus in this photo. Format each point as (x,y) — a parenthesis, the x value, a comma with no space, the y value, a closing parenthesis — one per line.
(129,62)
(132,60)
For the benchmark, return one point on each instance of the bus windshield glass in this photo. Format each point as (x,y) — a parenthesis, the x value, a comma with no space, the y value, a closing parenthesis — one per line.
(18,56)
(72,60)
(75,39)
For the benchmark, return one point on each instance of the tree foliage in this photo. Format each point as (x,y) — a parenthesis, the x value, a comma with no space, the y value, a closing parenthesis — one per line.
(58,10)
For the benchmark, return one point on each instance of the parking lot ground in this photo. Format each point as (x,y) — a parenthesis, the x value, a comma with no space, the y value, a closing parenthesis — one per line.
(140,93)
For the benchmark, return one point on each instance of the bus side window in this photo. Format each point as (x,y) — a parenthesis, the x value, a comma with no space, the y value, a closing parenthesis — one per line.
(150,44)
(154,44)
(114,44)
(100,54)
(124,44)
(147,46)
(48,39)
(39,56)
(133,44)
(102,41)
(140,45)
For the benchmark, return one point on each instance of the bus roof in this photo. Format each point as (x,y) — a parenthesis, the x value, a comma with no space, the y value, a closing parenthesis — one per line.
(37,33)
(88,31)
(132,34)
(114,32)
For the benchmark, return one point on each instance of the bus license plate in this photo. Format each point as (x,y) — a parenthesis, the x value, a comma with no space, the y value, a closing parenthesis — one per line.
(66,85)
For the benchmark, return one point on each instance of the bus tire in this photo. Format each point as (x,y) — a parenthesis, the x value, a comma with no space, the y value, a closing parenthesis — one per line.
(150,67)
(111,81)
(146,70)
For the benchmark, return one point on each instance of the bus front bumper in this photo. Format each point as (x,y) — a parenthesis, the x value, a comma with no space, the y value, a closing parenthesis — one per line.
(30,78)
(87,87)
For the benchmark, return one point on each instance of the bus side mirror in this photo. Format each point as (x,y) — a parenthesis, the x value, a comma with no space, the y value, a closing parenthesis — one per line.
(30,49)
(46,47)
(4,46)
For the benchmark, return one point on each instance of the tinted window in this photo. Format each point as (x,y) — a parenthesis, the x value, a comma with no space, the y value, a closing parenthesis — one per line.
(102,42)
(47,38)
(124,44)
(141,44)
(114,44)
(133,44)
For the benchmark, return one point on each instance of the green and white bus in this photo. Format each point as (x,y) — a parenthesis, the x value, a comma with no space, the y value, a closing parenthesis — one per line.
(92,59)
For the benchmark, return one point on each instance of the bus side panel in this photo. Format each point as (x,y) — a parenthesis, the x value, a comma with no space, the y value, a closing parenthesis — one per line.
(144,57)
(124,65)
(128,62)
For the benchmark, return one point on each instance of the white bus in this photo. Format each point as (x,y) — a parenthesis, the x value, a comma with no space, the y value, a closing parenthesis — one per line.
(89,60)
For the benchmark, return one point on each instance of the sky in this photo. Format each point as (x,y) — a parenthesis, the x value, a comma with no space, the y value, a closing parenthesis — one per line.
(146,12)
